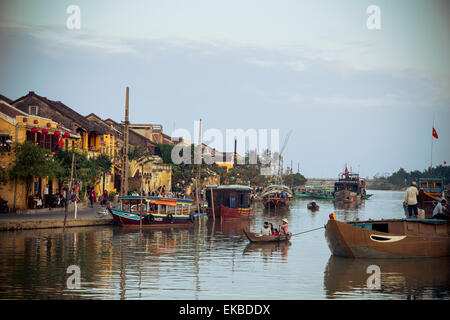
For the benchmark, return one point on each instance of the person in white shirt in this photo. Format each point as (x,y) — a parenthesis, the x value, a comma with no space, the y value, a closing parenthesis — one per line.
(438,211)
(266,231)
(411,200)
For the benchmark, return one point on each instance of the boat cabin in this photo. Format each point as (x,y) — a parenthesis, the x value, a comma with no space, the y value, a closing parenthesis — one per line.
(230,196)
(431,185)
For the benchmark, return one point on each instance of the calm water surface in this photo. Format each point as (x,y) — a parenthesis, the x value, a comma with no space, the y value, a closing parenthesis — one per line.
(214,261)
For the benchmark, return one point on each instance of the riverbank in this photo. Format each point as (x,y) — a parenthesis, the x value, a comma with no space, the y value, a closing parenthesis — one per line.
(44,218)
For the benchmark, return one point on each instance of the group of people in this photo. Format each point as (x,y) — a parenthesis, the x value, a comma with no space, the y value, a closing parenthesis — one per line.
(269,230)
(411,202)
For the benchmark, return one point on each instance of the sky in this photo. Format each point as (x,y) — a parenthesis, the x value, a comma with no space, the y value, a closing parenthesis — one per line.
(347,94)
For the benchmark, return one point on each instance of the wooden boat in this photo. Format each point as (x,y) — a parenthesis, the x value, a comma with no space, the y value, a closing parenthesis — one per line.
(392,238)
(431,191)
(276,195)
(303,191)
(326,193)
(230,201)
(349,188)
(153,212)
(258,237)
(312,206)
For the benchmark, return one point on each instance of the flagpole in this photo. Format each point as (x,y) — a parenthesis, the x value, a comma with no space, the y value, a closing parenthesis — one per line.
(431,153)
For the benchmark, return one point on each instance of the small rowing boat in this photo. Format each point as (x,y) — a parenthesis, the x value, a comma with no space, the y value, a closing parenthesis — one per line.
(258,237)
(312,206)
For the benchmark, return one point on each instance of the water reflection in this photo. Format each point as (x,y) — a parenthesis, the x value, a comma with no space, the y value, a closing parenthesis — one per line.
(267,250)
(211,261)
(401,278)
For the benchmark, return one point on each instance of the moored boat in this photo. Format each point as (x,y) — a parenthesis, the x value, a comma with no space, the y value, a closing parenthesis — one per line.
(303,191)
(390,238)
(325,192)
(258,237)
(277,195)
(136,211)
(230,201)
(349,188)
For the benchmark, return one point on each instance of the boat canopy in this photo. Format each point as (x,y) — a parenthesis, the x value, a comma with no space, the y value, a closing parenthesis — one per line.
(153,200)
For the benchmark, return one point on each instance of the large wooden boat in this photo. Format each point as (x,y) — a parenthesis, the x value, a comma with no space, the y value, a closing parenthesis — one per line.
(349,188)
(391,238)
(136,211)
(276,195)
(258,237)
(230,201)
(431,191)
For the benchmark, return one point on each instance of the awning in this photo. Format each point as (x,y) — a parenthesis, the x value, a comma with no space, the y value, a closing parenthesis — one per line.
(170,203)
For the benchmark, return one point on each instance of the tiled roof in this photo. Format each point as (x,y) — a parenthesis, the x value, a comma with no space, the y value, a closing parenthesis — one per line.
(9,110)
(63,114)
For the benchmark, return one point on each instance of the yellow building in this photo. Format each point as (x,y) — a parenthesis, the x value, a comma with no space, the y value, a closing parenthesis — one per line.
(17,127)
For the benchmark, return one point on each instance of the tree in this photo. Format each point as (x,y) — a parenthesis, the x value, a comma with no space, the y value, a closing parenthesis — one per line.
(103,163)
(33,161)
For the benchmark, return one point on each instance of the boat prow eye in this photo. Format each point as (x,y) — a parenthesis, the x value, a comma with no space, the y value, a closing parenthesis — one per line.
(379,238)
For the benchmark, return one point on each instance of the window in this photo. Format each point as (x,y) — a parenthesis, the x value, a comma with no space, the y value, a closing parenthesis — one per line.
(33,110)
(5,143)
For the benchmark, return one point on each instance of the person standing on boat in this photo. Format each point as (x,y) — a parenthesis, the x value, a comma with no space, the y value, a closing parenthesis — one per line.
(284,227)
(411,200)
(266,231)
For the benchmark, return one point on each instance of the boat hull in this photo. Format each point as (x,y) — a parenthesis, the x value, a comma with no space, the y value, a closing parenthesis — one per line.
(230,213)
(256,237)
(347,196)
(127,219)
(409,239)
(276,202)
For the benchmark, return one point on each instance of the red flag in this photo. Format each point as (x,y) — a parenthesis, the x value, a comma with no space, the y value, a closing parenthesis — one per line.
(435,133)
(60,142)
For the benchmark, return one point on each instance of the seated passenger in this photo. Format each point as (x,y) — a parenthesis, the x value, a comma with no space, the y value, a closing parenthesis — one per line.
(265,231)
(439,210)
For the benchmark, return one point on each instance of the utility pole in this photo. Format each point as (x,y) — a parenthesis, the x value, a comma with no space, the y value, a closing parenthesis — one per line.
(198,185)
(124,185)
(68,191)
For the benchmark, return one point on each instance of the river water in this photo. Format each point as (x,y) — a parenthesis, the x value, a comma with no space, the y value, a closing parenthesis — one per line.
(213,261)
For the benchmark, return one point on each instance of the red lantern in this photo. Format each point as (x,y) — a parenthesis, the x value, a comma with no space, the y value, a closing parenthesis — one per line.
(34,130)
(44,131)
(57,133)
(66,135)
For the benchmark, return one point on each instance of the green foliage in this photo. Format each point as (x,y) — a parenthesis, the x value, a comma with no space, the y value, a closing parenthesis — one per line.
(402,178)
(166,152)
(3,176)
(34,161)
(85,170)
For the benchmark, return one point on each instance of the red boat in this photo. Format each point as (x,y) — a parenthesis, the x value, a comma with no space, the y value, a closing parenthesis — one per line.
(230,201)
